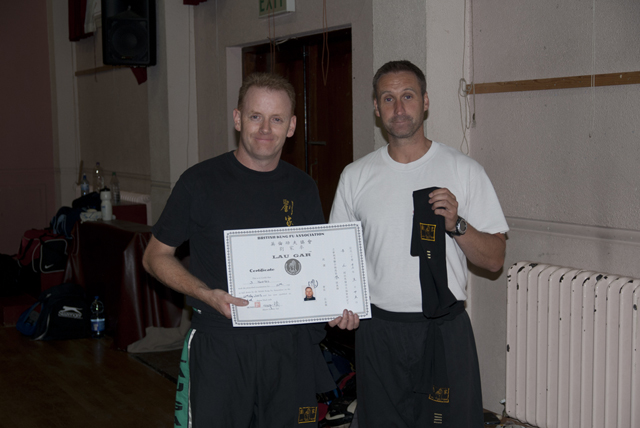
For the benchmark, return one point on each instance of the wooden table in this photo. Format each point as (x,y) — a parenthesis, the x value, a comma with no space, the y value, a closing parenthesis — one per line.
(106,259)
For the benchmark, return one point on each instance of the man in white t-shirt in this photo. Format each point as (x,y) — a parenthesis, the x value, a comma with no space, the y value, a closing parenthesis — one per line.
(417,366)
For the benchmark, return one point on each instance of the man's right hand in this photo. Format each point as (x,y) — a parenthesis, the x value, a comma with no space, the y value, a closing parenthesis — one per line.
(160,262)
(221,301)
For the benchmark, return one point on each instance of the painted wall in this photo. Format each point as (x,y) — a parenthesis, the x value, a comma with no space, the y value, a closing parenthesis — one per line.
(66,145)
(564,162)
(113,117)
(146,133)
(27,189)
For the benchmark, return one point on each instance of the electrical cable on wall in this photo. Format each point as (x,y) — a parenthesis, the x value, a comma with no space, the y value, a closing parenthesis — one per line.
(473,74)
(593,68)
(463,93)
(466,118)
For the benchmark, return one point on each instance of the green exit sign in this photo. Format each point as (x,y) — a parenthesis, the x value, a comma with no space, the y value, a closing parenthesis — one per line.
(275,7)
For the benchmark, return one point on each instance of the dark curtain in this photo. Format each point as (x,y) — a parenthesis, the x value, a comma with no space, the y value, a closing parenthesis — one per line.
(77,12)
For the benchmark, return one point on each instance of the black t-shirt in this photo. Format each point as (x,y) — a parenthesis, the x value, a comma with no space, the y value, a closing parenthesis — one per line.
(222,194)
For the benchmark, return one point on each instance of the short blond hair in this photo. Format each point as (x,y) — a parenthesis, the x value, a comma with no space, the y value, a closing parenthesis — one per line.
(270,81)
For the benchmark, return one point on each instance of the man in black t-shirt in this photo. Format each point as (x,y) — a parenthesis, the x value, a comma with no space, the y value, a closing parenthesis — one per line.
(250,376)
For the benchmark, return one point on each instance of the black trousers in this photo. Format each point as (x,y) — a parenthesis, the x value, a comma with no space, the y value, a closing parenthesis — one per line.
(245,381)
(389,360)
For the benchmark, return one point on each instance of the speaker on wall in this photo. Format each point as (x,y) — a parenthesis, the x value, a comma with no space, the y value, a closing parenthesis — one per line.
(129,32)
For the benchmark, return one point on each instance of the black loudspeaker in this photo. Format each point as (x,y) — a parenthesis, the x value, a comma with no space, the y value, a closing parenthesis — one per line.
(129,32)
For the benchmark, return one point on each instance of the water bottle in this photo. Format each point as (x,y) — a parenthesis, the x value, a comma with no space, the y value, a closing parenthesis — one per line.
(97,318)
(98,179)
(115,188)
(84,186)
(105,205)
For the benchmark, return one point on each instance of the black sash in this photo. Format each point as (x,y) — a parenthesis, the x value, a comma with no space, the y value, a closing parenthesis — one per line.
(438,303)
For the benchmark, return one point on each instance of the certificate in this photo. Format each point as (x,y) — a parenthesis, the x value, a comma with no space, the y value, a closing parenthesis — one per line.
(297,275)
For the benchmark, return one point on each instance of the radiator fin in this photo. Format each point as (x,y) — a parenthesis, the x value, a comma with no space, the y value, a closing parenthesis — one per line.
(573,347)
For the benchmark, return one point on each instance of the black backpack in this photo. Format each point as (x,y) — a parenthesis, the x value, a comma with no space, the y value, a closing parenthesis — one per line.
(61,312)
(91,200)
(62,223)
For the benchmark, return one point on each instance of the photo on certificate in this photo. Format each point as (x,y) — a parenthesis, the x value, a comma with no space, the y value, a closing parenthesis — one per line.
(297,275)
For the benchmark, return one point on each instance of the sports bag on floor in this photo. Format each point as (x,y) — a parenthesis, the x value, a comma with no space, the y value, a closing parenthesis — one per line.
(61,312)
(43,250)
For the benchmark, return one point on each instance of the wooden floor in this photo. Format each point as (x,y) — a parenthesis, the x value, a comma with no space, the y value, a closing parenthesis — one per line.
(78,383)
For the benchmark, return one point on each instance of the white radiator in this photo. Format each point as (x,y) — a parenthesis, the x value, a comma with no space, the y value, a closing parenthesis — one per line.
(573,347)
(139,198)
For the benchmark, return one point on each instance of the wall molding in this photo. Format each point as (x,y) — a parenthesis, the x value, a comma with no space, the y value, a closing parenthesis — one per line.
(162,184)
(584,81)
(596,233)
(100,69)
(13,171)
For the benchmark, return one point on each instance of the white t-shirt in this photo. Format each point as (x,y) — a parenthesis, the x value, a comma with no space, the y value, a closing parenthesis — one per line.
(378,191)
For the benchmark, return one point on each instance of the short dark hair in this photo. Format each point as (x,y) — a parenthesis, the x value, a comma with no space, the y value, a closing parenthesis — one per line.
(270,81)
(397,67)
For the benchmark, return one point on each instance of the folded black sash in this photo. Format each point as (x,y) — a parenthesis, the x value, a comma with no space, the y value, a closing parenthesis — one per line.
(438,304)
(428,243)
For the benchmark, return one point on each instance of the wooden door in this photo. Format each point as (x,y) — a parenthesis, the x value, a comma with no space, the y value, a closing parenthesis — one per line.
(323,142)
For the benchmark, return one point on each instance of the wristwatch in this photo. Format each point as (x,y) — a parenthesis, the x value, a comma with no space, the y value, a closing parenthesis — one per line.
(461,227)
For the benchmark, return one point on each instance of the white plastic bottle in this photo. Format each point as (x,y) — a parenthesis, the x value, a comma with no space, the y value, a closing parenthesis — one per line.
(98,178)
(105,205)
(97,318)
(84,186)
(115,188)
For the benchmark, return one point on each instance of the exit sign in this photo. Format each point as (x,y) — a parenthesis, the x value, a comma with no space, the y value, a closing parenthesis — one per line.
(275,7)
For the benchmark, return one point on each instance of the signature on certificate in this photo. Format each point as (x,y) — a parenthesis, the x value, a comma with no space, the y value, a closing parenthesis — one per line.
(272,306)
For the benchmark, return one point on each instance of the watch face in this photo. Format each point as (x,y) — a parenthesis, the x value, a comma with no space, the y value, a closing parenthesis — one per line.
(461,226)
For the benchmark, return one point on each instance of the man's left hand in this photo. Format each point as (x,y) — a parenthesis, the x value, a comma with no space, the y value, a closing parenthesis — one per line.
(444,203)
(485,250)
